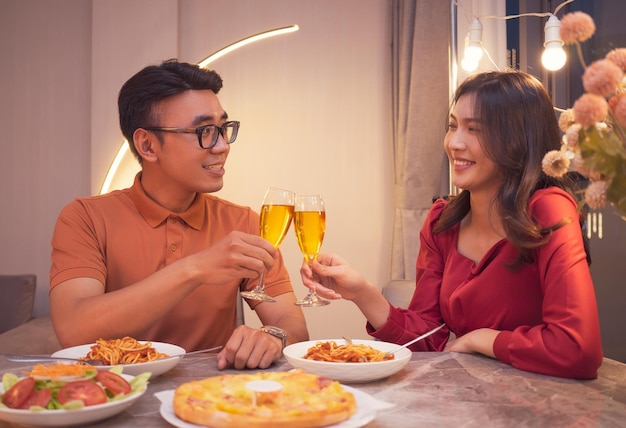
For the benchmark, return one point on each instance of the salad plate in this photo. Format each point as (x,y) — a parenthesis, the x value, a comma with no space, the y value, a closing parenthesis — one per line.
(63,417)
(156,367)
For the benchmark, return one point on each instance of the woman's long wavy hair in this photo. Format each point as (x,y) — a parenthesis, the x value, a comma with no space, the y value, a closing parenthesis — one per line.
(518,127)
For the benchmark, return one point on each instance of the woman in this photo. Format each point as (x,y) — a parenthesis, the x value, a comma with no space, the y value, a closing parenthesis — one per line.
(503,264)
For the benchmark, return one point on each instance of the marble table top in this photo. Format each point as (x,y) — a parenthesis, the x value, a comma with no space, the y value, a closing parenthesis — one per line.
(436,390)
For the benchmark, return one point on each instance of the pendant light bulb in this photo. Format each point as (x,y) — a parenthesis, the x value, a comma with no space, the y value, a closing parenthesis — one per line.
(553,57)
(469,65)
(474,49)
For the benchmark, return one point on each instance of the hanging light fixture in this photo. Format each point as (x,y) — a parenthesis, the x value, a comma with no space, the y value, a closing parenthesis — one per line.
(553,57)
(474,49)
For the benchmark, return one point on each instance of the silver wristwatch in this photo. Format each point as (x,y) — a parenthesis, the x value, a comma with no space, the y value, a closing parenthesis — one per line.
(276,332)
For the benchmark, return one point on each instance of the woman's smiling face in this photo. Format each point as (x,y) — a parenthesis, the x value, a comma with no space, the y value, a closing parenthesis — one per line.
(471,168)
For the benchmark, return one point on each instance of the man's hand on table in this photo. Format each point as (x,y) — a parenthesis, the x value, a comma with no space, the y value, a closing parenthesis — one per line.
(249,348)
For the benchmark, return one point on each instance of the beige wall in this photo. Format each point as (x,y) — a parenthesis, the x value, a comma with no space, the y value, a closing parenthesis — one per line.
(314,107)
(45,75)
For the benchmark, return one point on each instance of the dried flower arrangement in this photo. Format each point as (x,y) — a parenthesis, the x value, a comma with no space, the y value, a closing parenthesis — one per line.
(594,140)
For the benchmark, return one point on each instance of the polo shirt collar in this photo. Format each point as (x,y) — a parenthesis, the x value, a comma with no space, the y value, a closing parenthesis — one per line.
(155,214)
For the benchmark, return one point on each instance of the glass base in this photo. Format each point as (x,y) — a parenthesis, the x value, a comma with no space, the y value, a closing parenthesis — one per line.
(256,295)
(312,300)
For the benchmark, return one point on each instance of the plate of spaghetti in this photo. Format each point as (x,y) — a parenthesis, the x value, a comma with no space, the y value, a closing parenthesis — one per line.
(133,355)
(360,361)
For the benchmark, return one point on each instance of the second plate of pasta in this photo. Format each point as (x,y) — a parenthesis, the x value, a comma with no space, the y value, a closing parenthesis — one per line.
(155,366)
(356,364)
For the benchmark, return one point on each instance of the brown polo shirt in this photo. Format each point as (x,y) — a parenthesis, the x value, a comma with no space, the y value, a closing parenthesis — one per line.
(122,237)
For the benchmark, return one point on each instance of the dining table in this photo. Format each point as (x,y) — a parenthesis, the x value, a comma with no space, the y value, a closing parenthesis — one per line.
(434,389)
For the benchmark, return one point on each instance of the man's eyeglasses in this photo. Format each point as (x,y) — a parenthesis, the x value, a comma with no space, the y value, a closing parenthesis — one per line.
(207,134)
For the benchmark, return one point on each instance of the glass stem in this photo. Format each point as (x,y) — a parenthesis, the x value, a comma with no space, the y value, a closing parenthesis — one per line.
(309,261)
(260,285)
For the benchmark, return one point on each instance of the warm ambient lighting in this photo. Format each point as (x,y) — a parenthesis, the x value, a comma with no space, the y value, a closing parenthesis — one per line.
(106,185)
(553,57)
(124,150)
(246,41)
(474,50)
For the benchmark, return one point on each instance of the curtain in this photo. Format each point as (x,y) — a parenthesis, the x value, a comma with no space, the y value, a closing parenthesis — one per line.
(420,101)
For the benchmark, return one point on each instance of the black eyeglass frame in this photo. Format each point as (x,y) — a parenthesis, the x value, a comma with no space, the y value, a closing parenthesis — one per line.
(201,130)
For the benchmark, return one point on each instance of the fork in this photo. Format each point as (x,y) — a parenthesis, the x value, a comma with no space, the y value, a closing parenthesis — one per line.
(417,339)
(43,358)
(348,340)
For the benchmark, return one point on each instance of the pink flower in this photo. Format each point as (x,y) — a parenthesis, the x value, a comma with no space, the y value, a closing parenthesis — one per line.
(555,163)
(578,163)
(618,57)
(576,27)
(594,129)
(595,195)
(589,109)
(602,77)
(617,104)
(571,137)
(566,119)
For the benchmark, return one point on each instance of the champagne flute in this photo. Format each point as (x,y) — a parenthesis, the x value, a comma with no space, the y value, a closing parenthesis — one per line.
(276,215)
(310,225)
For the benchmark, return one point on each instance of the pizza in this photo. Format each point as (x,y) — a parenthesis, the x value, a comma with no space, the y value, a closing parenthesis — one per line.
(293,399)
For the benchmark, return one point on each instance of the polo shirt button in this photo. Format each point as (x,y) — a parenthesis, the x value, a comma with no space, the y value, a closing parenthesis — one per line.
(173,248)
(172,219)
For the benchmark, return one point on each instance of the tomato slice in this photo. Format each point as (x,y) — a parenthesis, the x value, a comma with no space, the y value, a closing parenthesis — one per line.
(113,382)
(87,391)
(39,397)
(18,393)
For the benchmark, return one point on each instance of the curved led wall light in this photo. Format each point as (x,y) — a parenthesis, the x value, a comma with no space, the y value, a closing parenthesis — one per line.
(124,150)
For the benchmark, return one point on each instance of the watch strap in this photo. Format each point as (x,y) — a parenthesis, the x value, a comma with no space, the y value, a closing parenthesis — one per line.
(276,332)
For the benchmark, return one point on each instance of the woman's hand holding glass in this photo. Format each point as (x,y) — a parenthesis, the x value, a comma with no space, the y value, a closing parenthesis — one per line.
(310,226)
(333,278)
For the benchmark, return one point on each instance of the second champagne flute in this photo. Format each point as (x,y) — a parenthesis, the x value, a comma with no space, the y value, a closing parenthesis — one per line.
(276,215)
(310,225)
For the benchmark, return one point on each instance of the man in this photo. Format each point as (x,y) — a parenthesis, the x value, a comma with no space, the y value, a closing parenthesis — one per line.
(164,260)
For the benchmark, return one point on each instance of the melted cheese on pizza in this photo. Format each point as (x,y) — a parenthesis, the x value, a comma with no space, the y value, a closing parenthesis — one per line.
(303,397)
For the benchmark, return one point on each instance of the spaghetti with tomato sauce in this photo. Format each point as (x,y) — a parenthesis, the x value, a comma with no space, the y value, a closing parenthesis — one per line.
(348,353)
(126,350)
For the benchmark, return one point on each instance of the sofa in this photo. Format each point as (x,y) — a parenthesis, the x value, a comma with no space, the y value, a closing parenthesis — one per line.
(20,332)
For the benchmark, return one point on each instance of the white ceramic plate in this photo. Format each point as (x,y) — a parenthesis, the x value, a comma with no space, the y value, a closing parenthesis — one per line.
(156,367)
(366,409)
(348,372)
(63,418)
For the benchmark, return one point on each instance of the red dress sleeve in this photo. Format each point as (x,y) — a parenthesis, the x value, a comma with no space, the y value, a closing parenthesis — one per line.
(567,343)
(423,313)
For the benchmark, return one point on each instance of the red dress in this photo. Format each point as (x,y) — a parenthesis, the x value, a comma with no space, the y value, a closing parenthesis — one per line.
(546,311)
